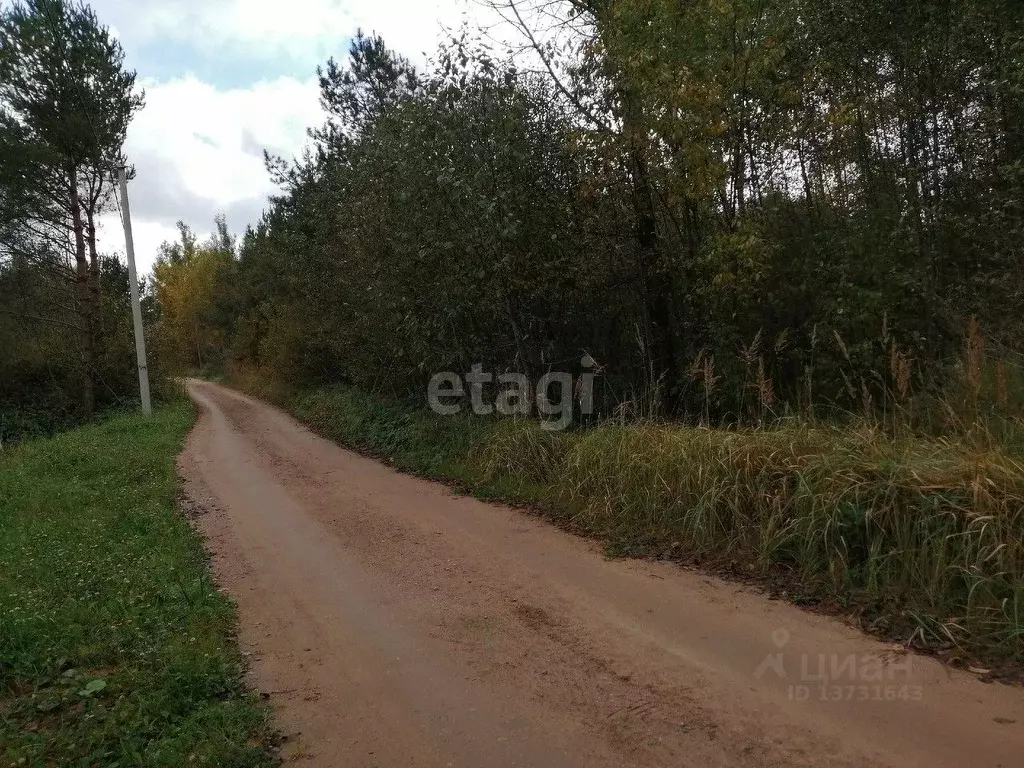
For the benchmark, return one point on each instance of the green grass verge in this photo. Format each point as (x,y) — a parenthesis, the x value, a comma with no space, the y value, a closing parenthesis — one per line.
(116,649)
(922,538)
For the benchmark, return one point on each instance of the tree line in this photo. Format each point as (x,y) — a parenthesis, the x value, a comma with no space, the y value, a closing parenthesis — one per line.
(735,208)
(66,100)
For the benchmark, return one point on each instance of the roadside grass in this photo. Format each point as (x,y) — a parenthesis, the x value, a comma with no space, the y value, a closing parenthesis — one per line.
(116,649)
(925,539)
(922,538)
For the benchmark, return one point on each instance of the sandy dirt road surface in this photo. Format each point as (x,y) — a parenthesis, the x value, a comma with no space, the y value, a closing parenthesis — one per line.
(396,624)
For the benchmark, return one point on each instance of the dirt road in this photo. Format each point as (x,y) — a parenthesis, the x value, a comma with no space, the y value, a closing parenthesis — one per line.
(396,624)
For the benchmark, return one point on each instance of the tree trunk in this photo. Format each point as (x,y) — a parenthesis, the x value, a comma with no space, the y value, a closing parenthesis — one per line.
(95,294)
(85,305)
(657,286)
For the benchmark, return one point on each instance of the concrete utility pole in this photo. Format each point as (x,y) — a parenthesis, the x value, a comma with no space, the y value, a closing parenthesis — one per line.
(133,286)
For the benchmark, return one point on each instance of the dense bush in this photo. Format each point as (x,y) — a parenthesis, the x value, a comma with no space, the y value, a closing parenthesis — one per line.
(41,362)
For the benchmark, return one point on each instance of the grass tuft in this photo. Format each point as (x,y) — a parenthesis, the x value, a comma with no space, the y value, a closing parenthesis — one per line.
(116,648)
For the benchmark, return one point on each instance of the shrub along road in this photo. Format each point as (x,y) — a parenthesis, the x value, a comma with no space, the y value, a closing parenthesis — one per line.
(395,623)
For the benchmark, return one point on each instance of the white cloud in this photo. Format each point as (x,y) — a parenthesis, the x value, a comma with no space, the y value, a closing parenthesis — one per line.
(266,28)
(209,134)
(300,30)
(196,150)
(414,27)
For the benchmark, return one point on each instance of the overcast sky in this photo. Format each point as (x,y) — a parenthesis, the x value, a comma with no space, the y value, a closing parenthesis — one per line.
(226,79)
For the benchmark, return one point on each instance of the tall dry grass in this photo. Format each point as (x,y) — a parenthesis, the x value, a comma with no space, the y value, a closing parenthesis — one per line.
(926,536)
(909,508)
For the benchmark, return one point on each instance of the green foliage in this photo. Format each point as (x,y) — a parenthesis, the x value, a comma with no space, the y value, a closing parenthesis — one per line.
(116,646)
(63,78)
(435,224)
(189,280)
